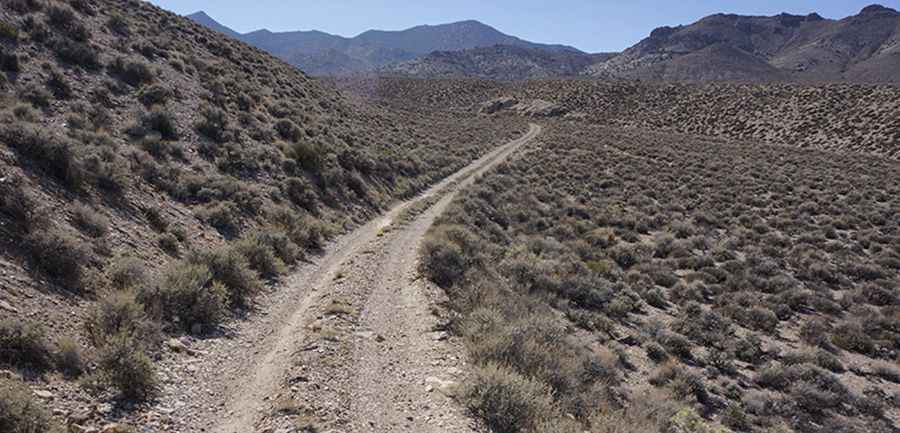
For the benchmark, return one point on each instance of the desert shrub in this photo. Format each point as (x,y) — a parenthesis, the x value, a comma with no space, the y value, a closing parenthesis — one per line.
(676,344)
(168,243)
(68,357)
(9,62)
(828,361)
(61,16)
(77,53)
(154,94)
(158,121)
(38,96)
(307,155)
(20,413)
(186,296)
(54,154)
(303,231)
(761,319)
(25,112)
(688,385)
(155,145)
(8,31)
(25,6)
(288,130)
(59,85)
(887,371)
(507,402)
(656,298)
(180,233)
(661,276)
(301,193)
(620,306)
(813,399)
(213,124)
(133,72)
(89,220)
(880,296)
(815,333)
(127,272)
(124,365)
(735,418)
(442,261)
(230,268)
(155,218)
(63,19)
(20,207)
(24,345)
(721,360)
(852,337)
(118,313)
(224,216)
(653,412)
(118,24)
(706,327)
(108,170)
(58,255)
(260,256)
(282,245)
(748,349)
(656,352)
(625,255)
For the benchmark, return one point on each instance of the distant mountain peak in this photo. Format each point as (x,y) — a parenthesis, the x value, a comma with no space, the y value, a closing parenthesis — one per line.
(321,53)
(878,9)
(766,48)
(202,18)
(199,14)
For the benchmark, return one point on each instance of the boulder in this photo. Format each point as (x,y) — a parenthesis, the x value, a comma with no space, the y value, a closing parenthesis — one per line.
(498,104)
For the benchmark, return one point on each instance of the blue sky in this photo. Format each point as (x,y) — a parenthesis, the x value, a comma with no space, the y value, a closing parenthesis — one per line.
(590,25)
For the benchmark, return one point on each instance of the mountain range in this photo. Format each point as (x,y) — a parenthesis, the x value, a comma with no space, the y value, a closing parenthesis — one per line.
(863,47)
(320,53)
(860,48)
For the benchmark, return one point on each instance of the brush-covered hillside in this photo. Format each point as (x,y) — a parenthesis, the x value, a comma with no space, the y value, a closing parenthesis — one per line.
(156,176)
(855,118)
(607,280)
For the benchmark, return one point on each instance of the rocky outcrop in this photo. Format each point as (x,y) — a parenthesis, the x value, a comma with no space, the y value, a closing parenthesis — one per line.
(532,108)
(498,104)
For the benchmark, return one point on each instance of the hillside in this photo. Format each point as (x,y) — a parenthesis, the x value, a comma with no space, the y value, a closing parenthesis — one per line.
(860,48)
(608,280)
(156,178)
(499,62)
(842,118)
(320,53)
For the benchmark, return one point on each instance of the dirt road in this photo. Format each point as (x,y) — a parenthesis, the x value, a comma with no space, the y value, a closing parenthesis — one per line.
(349,344)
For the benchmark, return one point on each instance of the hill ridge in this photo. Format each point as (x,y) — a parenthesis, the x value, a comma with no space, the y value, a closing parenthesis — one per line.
(321,53)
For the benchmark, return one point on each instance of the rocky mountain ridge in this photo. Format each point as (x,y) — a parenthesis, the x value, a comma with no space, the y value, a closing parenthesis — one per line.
(863,48)
(320,53)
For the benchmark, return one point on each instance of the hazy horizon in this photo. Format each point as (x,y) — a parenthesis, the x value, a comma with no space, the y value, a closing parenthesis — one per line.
(587,25)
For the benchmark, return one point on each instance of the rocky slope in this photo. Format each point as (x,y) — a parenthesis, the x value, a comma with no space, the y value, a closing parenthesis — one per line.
(320,53)
(860,48)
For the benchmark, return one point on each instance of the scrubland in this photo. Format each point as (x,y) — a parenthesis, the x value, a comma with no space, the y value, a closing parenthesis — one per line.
(619,281)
